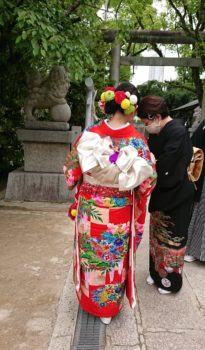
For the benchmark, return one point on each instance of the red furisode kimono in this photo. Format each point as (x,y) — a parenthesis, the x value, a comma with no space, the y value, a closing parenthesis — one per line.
(117,175)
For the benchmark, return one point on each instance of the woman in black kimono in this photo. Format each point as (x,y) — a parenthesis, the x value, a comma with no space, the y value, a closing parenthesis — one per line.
(196,232)
(172,199)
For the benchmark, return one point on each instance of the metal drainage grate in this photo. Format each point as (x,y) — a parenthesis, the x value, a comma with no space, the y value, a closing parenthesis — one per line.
(89,332)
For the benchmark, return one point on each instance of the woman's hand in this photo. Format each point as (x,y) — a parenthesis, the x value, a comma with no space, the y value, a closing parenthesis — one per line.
(153,158)
(70,188)
(80,180)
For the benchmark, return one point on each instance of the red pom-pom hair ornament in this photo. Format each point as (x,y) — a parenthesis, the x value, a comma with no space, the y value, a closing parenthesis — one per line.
(119,97)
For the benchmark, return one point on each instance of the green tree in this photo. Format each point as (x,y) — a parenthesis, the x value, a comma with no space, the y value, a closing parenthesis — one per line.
(174,94)
(187,16)
(44,33)
(40,34)
(134,14)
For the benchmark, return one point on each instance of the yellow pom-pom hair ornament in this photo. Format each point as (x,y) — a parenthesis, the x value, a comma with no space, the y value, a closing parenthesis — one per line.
(102,97)
(125,103)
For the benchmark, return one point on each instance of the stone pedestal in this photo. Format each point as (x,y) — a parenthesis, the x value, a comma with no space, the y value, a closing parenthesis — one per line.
(42,177)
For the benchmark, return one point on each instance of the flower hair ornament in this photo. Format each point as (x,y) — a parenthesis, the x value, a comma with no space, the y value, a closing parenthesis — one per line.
(126,100)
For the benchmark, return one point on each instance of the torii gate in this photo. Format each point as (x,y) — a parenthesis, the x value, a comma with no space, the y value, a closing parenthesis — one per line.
(152,37)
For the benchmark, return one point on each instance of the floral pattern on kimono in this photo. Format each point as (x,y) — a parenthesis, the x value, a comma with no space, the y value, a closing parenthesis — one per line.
(166,259)
(103,229)
(108,294)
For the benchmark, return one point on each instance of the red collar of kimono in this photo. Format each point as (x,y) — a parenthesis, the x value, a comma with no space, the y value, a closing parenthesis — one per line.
(129,131)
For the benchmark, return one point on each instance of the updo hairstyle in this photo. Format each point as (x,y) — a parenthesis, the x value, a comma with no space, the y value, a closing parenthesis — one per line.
(111,106)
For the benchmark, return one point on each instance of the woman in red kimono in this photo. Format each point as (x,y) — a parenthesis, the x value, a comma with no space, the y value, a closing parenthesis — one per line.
(113,169)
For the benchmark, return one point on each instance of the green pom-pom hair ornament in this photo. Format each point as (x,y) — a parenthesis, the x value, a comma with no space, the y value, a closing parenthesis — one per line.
(129,109)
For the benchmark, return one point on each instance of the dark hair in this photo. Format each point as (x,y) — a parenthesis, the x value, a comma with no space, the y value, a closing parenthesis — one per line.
(151,105)
(111,106)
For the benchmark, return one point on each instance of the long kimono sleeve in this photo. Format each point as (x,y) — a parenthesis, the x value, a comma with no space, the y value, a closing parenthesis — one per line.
(141,195)
(72,168)
(146,187)
(174,158)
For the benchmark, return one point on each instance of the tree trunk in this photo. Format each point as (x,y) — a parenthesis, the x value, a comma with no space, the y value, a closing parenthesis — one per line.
(198,83)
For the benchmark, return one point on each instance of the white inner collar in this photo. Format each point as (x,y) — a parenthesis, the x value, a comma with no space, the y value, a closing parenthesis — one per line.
(121,127)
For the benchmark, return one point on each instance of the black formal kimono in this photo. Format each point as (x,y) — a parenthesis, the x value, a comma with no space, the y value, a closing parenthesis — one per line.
(170,205)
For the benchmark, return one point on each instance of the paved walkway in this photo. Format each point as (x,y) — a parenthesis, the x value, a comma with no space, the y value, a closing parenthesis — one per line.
(38,306)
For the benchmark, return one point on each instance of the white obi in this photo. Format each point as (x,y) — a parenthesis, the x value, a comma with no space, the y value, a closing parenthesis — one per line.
(127,172)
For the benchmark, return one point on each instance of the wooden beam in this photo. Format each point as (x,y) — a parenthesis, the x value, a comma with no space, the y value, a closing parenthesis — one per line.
(160,61)
(153,36)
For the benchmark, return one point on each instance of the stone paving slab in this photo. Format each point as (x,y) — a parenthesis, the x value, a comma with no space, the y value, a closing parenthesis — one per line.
(187,340)
(35,251)
(64,328)
(180,311)
(123,331)
(35,206)
(195,274)
(134,347)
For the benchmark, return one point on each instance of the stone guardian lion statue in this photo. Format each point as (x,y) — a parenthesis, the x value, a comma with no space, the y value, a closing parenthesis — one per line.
(48,93)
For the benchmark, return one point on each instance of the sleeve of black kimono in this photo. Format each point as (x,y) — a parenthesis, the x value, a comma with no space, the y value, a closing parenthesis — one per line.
(171,165)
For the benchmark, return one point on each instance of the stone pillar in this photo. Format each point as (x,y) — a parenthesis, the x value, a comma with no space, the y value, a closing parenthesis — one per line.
(89,101)
(115,63)
(46,145)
